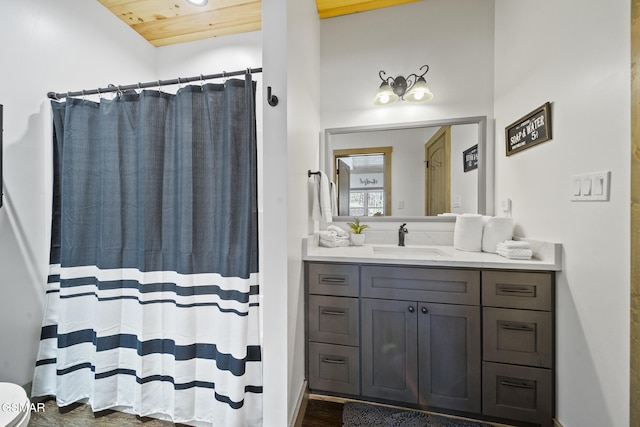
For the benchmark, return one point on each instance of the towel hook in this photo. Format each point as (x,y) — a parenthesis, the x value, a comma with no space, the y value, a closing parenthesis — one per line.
(271,99)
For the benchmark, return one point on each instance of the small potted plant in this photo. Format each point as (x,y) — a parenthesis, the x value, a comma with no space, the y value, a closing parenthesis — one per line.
(357,238)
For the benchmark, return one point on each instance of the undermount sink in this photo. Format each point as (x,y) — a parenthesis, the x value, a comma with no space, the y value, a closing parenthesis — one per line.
(407,250)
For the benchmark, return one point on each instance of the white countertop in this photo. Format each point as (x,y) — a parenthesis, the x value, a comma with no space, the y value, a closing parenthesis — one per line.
(547,256)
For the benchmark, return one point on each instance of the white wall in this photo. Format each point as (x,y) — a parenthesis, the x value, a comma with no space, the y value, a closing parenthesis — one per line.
(303,127)
(455,38)
(574,54)
(291,63)
(46,46)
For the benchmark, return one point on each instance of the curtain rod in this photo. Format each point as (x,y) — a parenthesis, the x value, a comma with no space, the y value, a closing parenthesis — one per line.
(159,83)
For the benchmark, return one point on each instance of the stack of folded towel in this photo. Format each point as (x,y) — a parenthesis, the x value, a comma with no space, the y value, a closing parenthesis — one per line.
(333,237)
(514,249)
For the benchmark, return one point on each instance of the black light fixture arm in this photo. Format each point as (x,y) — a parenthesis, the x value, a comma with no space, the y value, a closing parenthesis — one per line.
(400,84)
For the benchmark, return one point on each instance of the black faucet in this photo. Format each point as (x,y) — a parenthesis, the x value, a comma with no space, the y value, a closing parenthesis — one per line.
(401,234)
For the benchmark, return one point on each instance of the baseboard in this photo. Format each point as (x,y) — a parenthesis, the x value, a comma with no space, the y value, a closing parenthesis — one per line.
(556,423)
(301,406)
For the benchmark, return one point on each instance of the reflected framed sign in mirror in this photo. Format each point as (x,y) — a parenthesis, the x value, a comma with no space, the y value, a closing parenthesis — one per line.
(426,176)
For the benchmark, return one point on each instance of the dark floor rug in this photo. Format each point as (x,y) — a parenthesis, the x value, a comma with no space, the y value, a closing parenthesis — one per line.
(364,415)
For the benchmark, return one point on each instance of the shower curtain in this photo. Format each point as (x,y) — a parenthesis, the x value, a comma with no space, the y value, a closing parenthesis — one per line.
(152,297)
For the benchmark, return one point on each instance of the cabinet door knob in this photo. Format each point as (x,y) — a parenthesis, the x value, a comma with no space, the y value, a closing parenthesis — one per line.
(411,309)
(424,310)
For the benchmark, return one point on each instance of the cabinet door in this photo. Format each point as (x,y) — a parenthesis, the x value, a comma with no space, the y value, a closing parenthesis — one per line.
(449,356)
(389,350)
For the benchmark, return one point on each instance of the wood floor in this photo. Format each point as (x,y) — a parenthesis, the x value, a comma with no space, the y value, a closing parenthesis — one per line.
(319,413)
(322,413)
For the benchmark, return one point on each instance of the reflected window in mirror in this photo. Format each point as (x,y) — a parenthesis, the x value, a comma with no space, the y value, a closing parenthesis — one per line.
(363,177)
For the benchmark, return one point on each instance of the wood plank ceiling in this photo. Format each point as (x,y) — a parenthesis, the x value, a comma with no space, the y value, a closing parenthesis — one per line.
(167,22)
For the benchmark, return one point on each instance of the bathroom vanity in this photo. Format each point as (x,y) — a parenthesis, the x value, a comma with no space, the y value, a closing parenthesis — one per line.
(434,328)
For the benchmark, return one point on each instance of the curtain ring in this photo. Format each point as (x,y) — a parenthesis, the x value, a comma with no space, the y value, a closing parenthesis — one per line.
(99,93)
(139,88)
(84,96)
(68,94)
(159,87)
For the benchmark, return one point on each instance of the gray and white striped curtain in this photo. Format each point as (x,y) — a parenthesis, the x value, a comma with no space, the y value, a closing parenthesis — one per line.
(152,298)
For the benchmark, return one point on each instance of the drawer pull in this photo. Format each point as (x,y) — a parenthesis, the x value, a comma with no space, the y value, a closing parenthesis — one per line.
(333,280)
(411,309)
(518,385)
(523,328)
(333,312)
(334,361)
(515,290)
(424,310)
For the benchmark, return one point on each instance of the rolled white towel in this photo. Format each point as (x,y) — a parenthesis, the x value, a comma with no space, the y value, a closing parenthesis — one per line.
(496,230)
(339,231)
(467,233)
(330,239)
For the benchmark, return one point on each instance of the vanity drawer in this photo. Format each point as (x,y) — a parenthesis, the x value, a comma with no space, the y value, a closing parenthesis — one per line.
(421,284)
(333,279)
(521,337)
(334,368)
(517,392)
(532,291)
(334,320)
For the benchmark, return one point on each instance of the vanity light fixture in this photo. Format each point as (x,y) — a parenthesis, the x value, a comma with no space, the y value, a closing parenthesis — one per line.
(413,88)
(198,3)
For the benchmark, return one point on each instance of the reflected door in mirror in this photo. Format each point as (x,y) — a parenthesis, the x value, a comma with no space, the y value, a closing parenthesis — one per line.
(344,184)
(437,154)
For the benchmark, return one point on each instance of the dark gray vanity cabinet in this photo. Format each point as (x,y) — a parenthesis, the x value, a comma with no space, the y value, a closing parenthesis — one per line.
(415,350)
(477,341)
(518,348)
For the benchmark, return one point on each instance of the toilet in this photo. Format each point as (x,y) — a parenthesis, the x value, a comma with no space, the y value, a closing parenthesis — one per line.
(15,406)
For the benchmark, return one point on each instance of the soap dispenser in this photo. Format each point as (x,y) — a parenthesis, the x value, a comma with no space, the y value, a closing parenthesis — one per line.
(401,232)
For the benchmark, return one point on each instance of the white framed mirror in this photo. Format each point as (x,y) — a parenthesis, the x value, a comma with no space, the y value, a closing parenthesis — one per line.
(466,187)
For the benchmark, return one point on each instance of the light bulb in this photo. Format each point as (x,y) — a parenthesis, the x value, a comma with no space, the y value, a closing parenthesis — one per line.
(198,3)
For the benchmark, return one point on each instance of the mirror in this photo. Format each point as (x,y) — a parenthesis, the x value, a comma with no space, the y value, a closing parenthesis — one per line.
(460,187)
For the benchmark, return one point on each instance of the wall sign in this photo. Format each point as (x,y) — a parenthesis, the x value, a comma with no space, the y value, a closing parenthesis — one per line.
(470,158)
(529,130)
(367,180)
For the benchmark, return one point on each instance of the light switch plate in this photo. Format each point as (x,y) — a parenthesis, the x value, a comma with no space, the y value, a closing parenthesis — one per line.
(590,186)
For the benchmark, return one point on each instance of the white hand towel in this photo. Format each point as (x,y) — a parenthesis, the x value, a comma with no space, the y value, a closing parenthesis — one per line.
(516,253)
(513,244)
(321,198)
(496,230)
(467,233)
